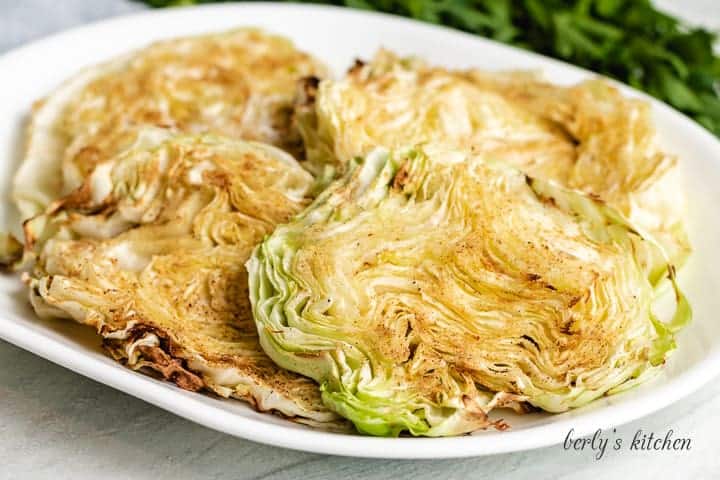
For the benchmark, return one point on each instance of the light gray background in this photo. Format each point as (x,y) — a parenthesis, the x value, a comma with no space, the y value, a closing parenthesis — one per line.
(57,424)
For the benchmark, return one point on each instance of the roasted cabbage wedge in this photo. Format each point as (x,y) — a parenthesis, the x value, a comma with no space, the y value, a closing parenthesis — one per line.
(422,290)
(239,83)
(586,137)
(150,252)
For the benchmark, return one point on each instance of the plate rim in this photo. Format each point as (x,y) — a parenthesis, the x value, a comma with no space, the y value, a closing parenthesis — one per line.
(318,441)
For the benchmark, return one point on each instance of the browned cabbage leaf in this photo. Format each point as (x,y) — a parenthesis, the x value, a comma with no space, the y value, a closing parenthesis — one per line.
(586,137)
(150,252)
(239,83)
(424,290)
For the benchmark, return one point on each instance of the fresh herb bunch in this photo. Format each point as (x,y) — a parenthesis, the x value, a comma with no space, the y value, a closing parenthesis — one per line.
(628,40)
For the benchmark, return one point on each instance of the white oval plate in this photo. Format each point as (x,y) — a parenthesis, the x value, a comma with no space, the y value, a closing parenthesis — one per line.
(338,36)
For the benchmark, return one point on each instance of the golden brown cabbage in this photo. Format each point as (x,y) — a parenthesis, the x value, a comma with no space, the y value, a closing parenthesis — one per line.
(239,83)
(150,252)
(586,137)
(422,290)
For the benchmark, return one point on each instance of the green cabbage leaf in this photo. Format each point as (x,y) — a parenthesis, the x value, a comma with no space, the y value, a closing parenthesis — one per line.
(423,290)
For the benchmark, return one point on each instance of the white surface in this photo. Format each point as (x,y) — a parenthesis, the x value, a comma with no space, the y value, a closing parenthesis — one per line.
(699,12)
(143,435)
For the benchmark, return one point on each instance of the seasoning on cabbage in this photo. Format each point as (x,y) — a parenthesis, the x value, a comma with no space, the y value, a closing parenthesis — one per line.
(239,83)
(424,290)
(587,136)
(150,253)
